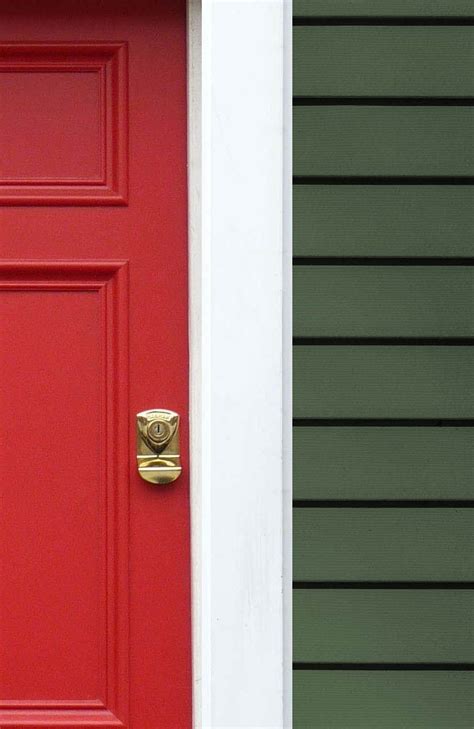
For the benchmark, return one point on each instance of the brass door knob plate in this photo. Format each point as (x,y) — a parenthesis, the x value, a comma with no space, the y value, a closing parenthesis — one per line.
(158,457)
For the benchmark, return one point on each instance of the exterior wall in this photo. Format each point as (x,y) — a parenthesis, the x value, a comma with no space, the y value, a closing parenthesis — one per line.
(383,401)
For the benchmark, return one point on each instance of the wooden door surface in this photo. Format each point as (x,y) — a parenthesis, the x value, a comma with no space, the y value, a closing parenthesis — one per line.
(94,562)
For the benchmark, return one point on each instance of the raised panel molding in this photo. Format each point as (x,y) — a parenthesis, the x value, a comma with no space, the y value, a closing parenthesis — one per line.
(110,280)
(97,175)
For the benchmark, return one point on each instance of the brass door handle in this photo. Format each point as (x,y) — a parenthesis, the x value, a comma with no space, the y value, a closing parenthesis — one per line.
(158,457)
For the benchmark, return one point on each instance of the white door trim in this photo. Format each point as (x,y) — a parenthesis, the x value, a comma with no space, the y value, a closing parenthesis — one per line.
(240,287)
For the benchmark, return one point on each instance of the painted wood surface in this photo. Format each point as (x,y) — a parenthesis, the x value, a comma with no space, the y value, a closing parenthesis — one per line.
(388,62)
(383,699)
(390,8)
(95,615)
(383,140)
(383,443)
(383,382)
(382,626)
(383,301)
(383,463)
(385,220)
(238,233)
(383,544)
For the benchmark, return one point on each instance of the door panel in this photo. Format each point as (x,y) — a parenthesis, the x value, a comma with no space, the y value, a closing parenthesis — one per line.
(68,103)
(94,562)
(63,517)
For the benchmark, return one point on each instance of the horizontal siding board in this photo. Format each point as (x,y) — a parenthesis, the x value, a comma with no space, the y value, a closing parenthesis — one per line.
(402,8)
(383,61)
(383,382)
(383,700)
(407,626)
(372,141)
(389,220)
(383,463)
(417,544)
(383,301)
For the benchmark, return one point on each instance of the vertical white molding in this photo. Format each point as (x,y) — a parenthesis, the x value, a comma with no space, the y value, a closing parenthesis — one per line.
(200,367)
(288,364)
(238,258)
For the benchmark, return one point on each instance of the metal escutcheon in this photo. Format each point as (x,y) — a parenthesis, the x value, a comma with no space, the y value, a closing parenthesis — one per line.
(158,457)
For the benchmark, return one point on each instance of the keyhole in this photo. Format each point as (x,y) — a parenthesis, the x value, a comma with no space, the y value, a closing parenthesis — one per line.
(156,430)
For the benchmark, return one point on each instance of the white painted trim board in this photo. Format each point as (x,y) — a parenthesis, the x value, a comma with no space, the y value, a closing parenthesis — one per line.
(240,336)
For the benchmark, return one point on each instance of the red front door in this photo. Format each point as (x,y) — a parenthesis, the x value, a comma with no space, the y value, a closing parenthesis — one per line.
(94,561)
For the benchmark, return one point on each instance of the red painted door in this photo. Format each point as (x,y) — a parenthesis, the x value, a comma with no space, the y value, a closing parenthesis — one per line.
(94,562)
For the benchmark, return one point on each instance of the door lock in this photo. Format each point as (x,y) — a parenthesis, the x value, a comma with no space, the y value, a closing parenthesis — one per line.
(158,457)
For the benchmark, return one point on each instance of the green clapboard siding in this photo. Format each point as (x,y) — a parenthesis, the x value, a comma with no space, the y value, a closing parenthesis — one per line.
(383,61)
(383,544)
(383,700)
(371,626)
(383,463)
(357,132)
(336,8)
(383,382)
(370,301)
(389,220)
(366,140)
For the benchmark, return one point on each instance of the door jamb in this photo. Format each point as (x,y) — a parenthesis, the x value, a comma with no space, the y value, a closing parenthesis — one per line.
(239,68)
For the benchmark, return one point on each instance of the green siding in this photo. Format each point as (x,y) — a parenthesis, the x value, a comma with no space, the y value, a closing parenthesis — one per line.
(382,587)
(361,140)
(387,220)
(383,700)
(392,61)
(349,544)
(370,301)
(403,8)
(390,626)
(383,463)
(383,382)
